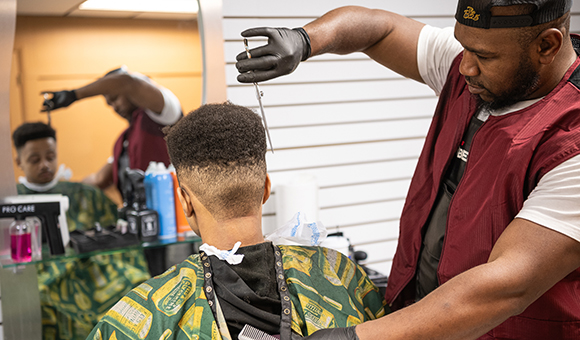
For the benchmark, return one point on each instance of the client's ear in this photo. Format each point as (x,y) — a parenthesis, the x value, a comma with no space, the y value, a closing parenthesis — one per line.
(185,201)
(267,189)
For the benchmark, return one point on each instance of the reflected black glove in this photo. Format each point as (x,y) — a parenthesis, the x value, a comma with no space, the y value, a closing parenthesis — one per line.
(347,333)
(286,48)
(59,99)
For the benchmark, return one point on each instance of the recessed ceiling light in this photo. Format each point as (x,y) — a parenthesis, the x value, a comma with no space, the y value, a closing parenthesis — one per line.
(165,6)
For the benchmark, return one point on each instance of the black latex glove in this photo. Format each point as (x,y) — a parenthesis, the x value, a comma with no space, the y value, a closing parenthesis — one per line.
(347,333)
(286,48)
(59,99)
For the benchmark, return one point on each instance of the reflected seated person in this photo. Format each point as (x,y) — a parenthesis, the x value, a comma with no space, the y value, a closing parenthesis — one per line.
(74,293)
(219,152)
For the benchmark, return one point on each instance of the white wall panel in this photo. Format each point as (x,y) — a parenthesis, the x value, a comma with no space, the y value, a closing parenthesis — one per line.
(345,112)
(361,213)
(336,155)
(348,133)
(343,175)
(362,193)
(305,8)
(332,92)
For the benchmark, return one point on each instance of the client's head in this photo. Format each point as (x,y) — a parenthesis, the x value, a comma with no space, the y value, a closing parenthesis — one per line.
(219,152)
(35,145)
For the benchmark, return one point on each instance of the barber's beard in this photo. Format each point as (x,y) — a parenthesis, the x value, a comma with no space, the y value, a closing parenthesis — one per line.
(525,82)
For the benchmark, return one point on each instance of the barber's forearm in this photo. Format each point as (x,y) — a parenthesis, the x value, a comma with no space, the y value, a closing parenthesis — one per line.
(466,307)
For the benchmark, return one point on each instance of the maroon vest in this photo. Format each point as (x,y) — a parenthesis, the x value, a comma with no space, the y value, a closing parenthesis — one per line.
(509,154)
(146,143)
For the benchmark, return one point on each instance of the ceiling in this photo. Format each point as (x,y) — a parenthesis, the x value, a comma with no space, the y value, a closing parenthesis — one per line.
(69,8)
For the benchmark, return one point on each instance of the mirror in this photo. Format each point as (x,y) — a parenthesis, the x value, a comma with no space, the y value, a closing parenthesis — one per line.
(65,50)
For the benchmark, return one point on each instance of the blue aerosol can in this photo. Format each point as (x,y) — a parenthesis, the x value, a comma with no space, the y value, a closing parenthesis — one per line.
(164,201)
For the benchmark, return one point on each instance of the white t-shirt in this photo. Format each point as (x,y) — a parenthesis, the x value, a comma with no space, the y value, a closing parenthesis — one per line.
(171,106)
(555,202)
(171,109)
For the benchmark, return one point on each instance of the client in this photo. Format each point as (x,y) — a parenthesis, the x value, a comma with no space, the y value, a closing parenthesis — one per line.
(74,293)
(219,152)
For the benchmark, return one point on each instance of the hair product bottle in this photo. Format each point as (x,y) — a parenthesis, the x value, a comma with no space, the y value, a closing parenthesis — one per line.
(142,221)
(164,202)
(183,228)
(20,240)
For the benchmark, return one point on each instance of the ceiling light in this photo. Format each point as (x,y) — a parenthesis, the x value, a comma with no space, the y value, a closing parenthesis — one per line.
(165,6)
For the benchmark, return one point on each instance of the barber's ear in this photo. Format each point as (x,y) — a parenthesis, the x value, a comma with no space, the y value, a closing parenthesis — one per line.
(550,43)
(267,189)
(185,201)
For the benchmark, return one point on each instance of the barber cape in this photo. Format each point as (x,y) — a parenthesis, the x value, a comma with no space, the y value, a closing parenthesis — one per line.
(75,293)
(326,288)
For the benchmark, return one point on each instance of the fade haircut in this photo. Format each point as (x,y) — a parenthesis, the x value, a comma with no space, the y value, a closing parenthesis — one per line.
(31,131)
(219,150)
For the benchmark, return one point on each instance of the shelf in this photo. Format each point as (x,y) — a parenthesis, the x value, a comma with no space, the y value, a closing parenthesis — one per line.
(6,260)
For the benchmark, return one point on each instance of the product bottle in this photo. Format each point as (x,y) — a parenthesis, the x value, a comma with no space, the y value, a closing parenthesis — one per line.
(142,221)
(20,240)
(183,228)
(165,202)
(126,190)
(149,185)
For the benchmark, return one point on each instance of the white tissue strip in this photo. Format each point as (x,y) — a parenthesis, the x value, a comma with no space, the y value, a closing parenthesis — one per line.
(225,255)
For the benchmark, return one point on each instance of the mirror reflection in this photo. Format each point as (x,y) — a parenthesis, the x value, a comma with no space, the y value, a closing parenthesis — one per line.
(53,53)
(66,49)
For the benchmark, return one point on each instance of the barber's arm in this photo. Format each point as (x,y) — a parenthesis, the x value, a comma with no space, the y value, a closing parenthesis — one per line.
(138,91)
(101,179)
(388,38)
(527,260)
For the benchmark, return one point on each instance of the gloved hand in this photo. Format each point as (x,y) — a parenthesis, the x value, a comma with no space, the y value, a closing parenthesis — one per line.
(286,48)
(59,99)
(347,333)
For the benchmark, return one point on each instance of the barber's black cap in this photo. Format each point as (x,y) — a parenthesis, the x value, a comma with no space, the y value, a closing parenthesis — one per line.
(477,13)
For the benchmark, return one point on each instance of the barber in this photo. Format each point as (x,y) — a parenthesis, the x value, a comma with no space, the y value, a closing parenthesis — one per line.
(489,234)
(147,107)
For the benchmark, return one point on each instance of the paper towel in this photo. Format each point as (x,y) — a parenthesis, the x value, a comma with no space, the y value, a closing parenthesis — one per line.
(299,194)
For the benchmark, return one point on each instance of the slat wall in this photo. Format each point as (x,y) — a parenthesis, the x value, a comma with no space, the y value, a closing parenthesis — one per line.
(357,126)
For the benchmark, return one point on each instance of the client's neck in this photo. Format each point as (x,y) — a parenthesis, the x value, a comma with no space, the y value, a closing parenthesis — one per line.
(224,234)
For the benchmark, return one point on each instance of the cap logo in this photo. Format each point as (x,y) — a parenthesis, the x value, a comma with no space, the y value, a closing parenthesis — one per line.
(469,13)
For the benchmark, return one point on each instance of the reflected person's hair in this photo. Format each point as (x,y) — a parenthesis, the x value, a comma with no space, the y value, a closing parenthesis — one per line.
(31,131)
(122,69)
(219,151)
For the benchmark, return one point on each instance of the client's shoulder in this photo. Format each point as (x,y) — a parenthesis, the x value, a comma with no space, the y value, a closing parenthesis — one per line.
(172,288)
(312,251)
